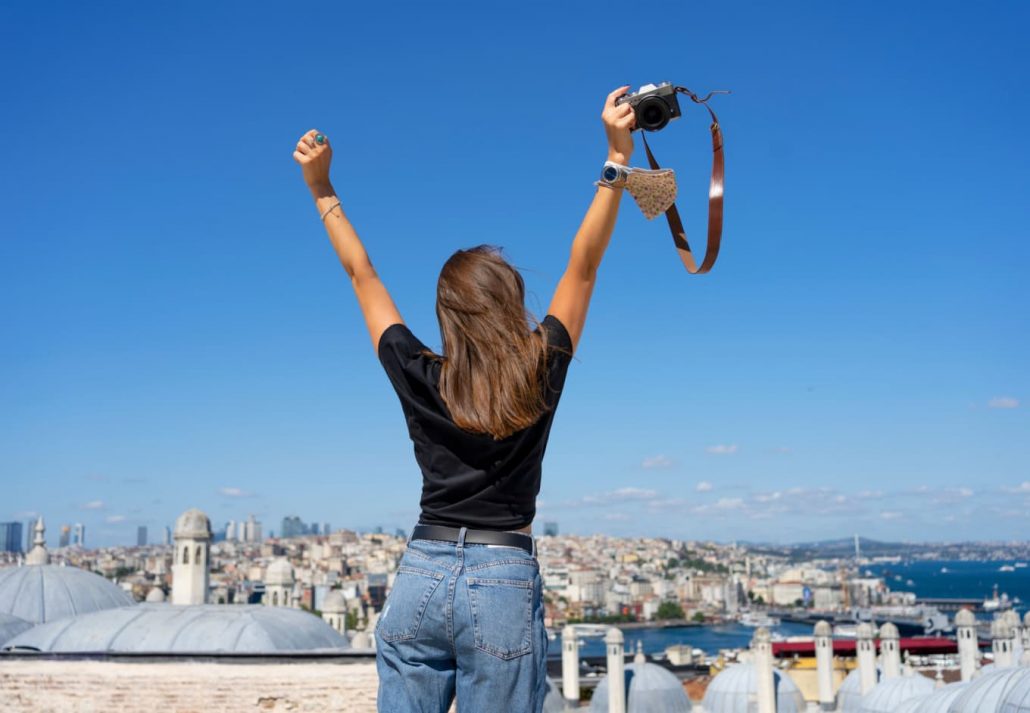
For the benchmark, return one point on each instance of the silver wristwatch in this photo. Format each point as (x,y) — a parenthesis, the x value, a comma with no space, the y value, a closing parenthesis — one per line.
(613,174)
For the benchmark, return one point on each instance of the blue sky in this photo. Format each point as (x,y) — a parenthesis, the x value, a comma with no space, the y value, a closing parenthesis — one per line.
(178,333)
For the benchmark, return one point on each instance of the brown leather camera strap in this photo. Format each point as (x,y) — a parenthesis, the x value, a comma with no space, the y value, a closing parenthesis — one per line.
(715,192)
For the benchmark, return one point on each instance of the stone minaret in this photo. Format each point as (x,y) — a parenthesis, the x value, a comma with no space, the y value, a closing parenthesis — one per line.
(824,664)
(616,671)
(968,647)
(279,581)
(890,655)
(190,570)
(866,657)
(1015,625)
(765,687)
(570,664)
(1001,641)
(334,610)
(38,554)
(1024,660)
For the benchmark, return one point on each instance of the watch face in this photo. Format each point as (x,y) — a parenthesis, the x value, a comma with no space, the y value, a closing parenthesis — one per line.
(610,173)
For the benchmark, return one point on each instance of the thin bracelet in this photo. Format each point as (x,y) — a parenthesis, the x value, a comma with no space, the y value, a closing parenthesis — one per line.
(331,208)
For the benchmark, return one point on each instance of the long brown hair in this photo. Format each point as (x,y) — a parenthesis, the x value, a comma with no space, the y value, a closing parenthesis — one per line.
(493,374)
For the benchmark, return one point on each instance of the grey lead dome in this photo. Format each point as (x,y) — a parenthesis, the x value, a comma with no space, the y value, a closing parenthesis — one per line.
(207,628)
(42,593)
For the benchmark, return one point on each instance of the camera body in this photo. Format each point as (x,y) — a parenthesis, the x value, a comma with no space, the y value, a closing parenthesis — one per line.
(654,105)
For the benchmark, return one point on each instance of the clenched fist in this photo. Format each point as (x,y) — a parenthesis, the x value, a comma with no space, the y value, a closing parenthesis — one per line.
(618,122)
(314,154)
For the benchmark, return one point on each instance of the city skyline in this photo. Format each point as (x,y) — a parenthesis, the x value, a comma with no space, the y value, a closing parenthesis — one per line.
(178,332)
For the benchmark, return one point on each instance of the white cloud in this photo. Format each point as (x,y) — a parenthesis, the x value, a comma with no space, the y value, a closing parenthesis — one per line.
(233,492)
(659,461)
(704,487)
(768,497)
(890,514)
(1023,487)
(1003,402)
(114,519)
(729,503)
(616,496)
(93,505)
(722,450)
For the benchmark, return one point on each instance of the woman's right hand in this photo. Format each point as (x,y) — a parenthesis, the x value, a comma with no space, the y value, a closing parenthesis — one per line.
(618,121)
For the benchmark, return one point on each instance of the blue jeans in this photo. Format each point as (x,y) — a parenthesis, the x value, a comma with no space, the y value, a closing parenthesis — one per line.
(466,620)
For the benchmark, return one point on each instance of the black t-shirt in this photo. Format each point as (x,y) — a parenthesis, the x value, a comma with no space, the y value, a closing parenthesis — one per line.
(469,478)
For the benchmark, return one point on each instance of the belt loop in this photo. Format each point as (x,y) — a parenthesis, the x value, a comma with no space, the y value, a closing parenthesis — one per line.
(461,537)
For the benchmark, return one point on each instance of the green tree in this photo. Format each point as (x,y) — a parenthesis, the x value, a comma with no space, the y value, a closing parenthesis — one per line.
(669,610)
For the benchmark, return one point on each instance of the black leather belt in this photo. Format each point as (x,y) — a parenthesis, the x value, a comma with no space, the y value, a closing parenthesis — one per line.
(474,537)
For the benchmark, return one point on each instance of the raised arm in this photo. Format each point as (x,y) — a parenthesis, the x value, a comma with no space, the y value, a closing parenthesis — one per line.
(314,157)
(572,296)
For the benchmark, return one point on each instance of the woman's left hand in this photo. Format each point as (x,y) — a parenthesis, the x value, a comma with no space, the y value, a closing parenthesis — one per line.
(314,154)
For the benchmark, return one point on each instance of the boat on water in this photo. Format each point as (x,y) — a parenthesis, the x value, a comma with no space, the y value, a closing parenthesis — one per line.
(750,618)
(1006,568)
(845,631)
(1019,564)
(944,570)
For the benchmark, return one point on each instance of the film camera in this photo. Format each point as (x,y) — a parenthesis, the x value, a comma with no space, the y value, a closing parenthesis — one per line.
(653,105)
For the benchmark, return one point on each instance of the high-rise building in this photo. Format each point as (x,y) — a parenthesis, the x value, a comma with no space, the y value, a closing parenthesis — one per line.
(11,537)
(230,531)
(292,526)
(325,528)
(251,530)
(551,529)
(168,535)
(141,536)
(66,536)
(79,535)
(28,535)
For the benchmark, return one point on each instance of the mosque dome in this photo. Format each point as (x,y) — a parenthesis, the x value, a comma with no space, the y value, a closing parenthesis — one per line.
(361,640)
(279,573)
(11,626)
(650,688)
(334,603)
(155,595)
(42,593)
(936,702)
(554,702)
(731,691)
(985,694)
(823,628)
(193,524)
(965,618)
(1016,698)
(202,628)
(849,695)
(888,695)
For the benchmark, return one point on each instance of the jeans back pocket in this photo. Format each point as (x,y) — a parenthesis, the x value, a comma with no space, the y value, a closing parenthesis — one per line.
(412,589)
(502,614)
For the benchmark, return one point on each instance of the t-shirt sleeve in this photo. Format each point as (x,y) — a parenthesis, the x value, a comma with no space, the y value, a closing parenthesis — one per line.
(400,354)
(559,354)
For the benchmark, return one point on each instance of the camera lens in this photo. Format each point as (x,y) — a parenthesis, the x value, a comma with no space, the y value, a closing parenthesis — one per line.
(653,114)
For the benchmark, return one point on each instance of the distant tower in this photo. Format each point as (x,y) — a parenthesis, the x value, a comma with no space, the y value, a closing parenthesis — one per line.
(230,531)
(866,657)
(190,568)
(38,554)
(765,689)
(79,535)
(968,648)
(334,610)
(824,664)
(890,656)
(570,664)
(66,536)
(168,536)
(858,552)
(616,671)
(279,583)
